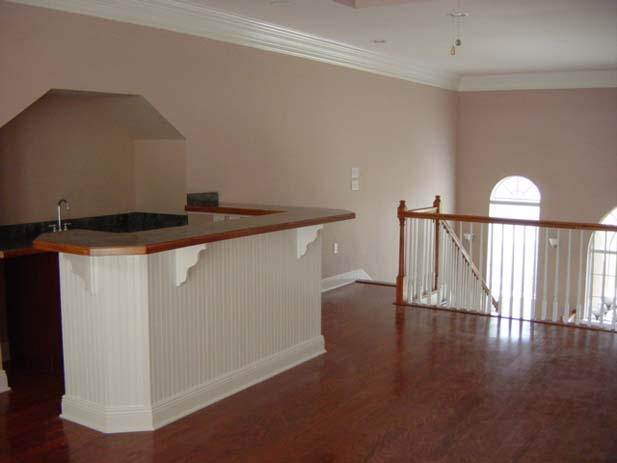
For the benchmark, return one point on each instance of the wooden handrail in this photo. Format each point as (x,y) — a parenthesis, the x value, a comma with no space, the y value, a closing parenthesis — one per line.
(428,210)
(468,259)
(498,220)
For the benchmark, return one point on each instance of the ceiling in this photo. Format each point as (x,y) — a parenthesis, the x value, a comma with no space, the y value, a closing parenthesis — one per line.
(499,36)
(506,44)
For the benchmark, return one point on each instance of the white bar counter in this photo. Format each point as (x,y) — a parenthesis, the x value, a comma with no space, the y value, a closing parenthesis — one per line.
(153,336)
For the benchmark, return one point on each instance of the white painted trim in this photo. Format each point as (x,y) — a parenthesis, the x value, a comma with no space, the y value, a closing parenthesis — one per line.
(144,418)
(304,237)
(539,81)
(83,268)
(343,279)
(197,398)
(4,382)
(197,19)
(106,419)
(186,258)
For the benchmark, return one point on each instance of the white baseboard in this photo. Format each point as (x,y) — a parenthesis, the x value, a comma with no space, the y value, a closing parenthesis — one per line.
(190,401)
(4,382)
(343,279)
(130,419)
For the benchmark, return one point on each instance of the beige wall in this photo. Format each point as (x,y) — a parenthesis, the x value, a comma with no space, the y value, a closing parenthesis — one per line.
(563,140)
(160,171)
(62,148)
(260,127)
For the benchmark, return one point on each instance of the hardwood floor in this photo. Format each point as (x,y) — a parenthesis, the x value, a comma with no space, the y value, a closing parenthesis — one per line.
(397,385)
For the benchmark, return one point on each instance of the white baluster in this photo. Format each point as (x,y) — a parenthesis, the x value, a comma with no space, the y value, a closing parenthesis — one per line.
(500,303)
(556,282)
(452,272)
(545,279)
(589,309)
(603,279)
(408,295)
(431,258)
(457,259)
(512,272)
(579,291)
(566,312)
(534,292)
(490,268)
(615,292)
(423,258)
(482,266)
(522,298)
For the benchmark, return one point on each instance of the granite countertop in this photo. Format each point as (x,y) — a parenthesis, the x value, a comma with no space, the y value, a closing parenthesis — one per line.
(17,240)
(264,219)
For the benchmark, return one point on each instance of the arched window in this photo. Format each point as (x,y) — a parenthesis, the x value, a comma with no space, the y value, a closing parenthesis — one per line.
(602,274)
(512,255)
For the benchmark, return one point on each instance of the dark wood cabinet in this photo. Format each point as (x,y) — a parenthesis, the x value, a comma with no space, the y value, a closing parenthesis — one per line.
(32,301)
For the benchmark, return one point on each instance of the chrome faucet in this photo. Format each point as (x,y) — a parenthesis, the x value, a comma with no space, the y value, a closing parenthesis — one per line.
(67,206)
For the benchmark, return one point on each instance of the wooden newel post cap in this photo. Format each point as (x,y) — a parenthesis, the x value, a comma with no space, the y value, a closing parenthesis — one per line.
(402,207)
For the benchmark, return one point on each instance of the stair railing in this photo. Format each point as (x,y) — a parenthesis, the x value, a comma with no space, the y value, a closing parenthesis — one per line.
(549,271)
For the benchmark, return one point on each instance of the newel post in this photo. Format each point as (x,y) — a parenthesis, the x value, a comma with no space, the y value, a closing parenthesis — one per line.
(400,279)
(437,205)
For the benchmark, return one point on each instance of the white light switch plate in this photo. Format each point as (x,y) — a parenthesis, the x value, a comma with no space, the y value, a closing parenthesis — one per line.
(355,172)
(355,184)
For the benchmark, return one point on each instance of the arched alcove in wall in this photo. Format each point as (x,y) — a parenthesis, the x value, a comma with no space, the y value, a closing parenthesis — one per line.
(106,153)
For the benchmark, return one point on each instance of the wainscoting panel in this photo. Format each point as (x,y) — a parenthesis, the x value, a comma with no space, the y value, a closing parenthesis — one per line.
(141,351)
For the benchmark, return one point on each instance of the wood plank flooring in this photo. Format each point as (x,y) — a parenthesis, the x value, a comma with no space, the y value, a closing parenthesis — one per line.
(397,385)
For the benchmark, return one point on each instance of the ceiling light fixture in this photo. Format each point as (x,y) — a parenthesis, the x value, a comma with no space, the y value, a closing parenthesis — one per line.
(456,17)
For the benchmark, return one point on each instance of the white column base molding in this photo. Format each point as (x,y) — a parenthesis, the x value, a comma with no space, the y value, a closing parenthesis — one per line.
(106,419)
(343,279)
(4,382)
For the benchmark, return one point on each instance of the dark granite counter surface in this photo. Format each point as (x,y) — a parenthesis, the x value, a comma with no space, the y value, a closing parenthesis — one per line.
(16,240)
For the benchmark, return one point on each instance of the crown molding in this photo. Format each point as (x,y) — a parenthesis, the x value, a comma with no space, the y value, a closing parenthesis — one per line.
(539,81)
(196,19)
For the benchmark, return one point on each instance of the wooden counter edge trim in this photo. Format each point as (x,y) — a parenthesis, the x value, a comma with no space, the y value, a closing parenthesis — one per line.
(185,242)
(19,252)
(231,210)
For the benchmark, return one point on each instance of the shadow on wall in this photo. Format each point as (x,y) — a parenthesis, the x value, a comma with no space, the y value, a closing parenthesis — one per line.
(105,153)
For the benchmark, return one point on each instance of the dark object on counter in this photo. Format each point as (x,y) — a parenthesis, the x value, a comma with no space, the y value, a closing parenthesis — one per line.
(203,199)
